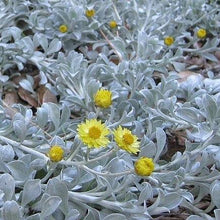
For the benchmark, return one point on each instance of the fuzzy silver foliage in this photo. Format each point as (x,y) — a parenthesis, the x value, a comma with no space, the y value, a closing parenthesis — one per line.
(101,184)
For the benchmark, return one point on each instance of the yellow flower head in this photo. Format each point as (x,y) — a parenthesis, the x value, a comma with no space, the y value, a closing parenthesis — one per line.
(56,153)
(63,28)
(90,13)
(113,24)
(93,133)
(144,166)
(103,98)
(126,140)
(201,33)
(168,40)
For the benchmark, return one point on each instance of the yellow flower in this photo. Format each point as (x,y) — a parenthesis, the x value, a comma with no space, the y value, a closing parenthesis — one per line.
(63,28)
(90,13)
(144,166)
(126,140)
(56,153)
(201,33)
(169,40)
(93,133)
(113,24)
(103,98)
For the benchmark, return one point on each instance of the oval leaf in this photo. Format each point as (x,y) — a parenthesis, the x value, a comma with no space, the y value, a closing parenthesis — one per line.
(6,153)
(161,141)
(42,117)
(215,193)
(171,200)
(7,185)
(19,170)
(50,205)
(56,187)
(25,84)
(54,46)
(10,211)
(32,189)
(54,113)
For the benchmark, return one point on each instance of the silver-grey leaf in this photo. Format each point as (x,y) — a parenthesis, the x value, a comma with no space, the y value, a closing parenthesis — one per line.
(56,187)
(10,211)
(32,189)
(42,117)
(215,193)
(53,113)
(161,141)
(115,216)
(7,185)
(50,205)
(54,46)
(7,153)
(19,170)
(26,84)
(171,200)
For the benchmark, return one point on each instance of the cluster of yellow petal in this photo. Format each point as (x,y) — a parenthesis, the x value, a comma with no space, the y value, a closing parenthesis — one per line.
(168,40)
(63,28)
(144,166)
(201,33)
(126,140)
(113,24)
(56,153)
(93,133)
(103,98)
(90,13)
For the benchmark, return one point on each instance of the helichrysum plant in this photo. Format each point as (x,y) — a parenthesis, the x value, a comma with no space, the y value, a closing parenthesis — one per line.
(56,153)
(113,24)
(63,28)
(109,110)
(144,166)
(201,33)
(168,40)
(126,140)
(93,133)
(90,13)
(103,98)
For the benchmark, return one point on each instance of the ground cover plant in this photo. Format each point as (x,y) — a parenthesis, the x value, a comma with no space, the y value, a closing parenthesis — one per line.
(109,109)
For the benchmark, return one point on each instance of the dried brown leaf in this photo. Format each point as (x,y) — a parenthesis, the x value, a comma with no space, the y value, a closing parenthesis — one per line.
(217,55)
(36,81)
(199,61)
(17,79)
(45,95)
(10,99)
(185,74)
(26,96)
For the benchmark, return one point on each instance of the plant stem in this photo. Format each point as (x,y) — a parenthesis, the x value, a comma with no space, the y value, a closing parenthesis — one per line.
(24,148)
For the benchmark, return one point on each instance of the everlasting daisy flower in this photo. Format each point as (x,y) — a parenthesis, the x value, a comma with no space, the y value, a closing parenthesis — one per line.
(168,40)
(56,153)
(103,98)
(113,24)
(63,28)
(126,140)
(93,133)
(90,13)
(201,33)
(144,166)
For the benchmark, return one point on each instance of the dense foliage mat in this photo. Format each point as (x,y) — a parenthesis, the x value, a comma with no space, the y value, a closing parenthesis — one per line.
(109,109)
